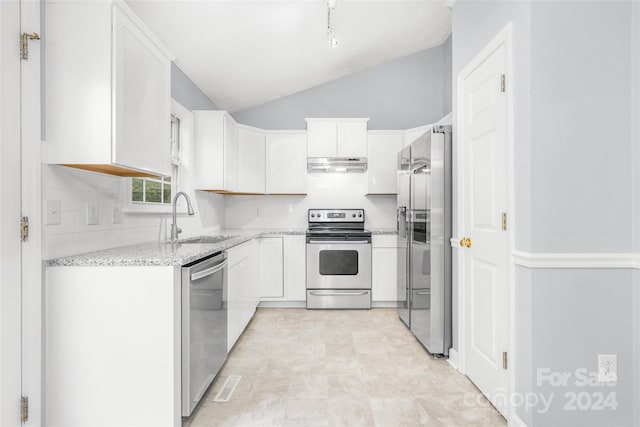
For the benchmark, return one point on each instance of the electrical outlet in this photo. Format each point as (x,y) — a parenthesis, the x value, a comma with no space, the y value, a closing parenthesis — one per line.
(53,212)
(92,213)
(117,214)
(607,368)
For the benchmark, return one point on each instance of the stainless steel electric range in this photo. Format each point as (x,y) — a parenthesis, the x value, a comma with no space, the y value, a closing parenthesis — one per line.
(338,259)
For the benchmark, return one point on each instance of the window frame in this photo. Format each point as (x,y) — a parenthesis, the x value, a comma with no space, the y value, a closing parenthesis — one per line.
(185,116)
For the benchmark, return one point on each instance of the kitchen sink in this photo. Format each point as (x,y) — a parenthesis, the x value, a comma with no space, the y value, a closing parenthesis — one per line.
(205,240)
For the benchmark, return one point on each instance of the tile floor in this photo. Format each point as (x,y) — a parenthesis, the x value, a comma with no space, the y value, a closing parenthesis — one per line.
(339,368)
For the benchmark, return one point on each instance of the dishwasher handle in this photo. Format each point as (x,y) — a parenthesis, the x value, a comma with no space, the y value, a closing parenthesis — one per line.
(208,272)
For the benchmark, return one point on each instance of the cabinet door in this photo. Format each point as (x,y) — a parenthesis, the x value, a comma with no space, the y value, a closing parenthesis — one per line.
(382,157)
(142,95)
(384,272)
(234,304)
(251,161)
(286,163)
(322,139)
(208,150)
(271,267)
(352,139)
(295,258)
(230,155)
(255,274)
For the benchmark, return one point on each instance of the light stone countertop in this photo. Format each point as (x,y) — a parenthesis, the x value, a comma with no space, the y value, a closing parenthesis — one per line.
(164,254)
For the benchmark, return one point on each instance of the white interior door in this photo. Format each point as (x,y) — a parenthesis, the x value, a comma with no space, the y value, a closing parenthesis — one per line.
(483,141)
(10,255)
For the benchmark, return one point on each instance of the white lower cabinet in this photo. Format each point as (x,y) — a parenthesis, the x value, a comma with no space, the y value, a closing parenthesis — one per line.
(112,341)
(271,267)
(242,291)
(295,263)
(384,260)
(283,270)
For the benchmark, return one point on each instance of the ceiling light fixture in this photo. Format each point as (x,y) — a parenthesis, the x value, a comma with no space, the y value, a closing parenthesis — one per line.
(333,41)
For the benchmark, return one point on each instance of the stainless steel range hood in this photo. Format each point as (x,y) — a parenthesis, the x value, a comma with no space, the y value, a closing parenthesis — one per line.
(336,164)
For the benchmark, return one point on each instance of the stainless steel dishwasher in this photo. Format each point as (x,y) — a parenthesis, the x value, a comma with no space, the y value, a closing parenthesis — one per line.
(204,326)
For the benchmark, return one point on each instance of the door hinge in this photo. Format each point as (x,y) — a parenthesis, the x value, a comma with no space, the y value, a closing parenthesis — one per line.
(24,43)
(504,221)
(504,360)
(24,408)
(503,83)
(24,228)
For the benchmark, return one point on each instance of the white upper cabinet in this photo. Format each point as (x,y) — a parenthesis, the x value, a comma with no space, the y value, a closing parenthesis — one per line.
(108,90)
(337,137)
(322,139)
(352,138)
(286,162)
(251,160)
(383,148)
(215,151)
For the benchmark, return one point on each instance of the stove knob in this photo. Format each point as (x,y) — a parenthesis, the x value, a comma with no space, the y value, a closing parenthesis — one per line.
(359,215)
(313,215)
(353,215)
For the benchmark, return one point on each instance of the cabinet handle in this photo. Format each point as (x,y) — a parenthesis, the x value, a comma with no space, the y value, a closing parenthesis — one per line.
(208,272)
(333,294)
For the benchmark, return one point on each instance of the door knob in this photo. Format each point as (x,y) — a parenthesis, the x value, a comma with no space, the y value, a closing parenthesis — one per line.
(465,241)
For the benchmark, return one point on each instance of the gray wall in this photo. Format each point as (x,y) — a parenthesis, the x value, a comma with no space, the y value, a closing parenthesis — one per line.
(575,162)
(581,123)
(399,94)
(187,93)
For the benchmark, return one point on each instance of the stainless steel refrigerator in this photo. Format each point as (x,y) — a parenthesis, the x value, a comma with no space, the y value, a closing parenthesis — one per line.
(424,233)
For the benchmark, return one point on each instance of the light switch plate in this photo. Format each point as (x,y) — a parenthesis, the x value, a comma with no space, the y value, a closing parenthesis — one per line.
(92,213)
(53,212)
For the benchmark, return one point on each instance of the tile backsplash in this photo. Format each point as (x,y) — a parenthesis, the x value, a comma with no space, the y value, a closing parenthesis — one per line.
(335,190)
(75,188)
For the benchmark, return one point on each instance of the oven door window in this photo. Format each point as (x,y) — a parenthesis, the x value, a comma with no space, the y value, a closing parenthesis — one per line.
(338,263)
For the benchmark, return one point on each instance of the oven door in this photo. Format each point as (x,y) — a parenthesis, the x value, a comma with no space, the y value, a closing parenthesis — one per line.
(341,264)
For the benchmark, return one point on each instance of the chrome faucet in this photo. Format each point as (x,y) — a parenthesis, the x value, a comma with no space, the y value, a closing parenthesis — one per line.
(175,230)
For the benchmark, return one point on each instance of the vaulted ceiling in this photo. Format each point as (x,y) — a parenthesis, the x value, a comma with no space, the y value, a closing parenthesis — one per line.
(245,53)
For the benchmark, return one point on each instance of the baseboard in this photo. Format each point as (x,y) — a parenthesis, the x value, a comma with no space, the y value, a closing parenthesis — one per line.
(384,304)
(283,304)
(516,421)
(453,358)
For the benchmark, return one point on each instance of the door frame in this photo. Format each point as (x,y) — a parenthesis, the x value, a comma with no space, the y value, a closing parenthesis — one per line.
(31,189)
(503,37)
(10,212)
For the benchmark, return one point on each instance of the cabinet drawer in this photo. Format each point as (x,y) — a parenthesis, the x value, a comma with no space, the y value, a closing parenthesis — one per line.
(384,240)
(238,253)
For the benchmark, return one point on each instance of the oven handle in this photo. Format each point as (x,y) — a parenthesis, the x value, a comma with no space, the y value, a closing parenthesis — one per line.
(332,294)
(339,242)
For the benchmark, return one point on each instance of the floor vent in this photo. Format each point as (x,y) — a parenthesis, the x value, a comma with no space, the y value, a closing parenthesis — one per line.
(229,386)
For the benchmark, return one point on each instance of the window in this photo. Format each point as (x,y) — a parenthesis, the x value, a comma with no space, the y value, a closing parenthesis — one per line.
(160,190)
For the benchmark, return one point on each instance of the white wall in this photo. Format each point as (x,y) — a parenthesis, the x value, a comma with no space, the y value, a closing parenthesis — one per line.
(323,191)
